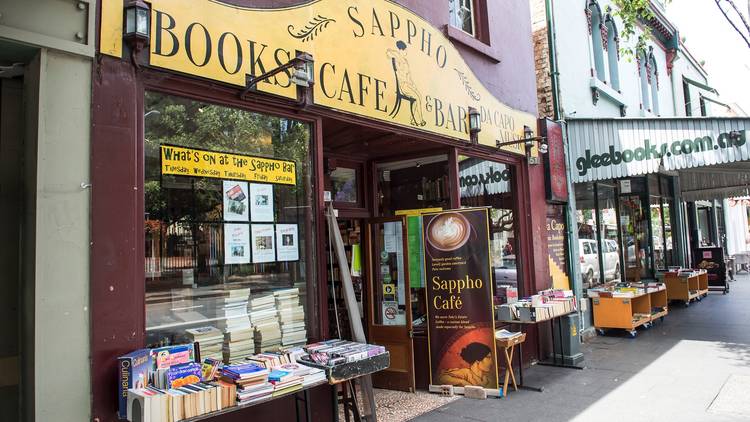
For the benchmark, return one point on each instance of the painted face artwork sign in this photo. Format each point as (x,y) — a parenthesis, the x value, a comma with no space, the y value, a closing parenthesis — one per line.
(460,321)
(557,247)
(372,58)
(628,147)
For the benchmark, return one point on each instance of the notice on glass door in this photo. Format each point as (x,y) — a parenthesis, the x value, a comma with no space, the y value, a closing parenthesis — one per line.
(263,244)
(236,243)
(235,201)
(287,248)
(261,202)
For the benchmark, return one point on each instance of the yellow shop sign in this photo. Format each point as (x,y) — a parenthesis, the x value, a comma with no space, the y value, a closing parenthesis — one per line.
(372,58)
(181,161)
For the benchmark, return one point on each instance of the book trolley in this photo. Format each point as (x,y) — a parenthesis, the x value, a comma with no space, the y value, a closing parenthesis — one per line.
(628,310)
(686,287)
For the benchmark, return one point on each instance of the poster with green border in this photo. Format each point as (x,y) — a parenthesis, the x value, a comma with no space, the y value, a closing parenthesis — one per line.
(416,258)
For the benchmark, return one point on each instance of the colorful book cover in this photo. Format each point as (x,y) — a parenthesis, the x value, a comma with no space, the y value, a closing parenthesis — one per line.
(277,375)
(209,369)
(134,370)
(165,357)
(183,374)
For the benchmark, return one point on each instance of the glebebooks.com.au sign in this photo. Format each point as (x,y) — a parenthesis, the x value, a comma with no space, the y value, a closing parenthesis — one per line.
(673,155)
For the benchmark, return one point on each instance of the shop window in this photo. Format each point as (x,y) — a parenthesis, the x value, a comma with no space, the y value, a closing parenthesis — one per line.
(486,183)
(667,218)
(643,73)
(344,182)
(586,219)
(635,242)
(613,53)
(413,184)
(653,80)
(610,256)
(462,15)
(657,233)
(596,28)
(223,251)
(686,95)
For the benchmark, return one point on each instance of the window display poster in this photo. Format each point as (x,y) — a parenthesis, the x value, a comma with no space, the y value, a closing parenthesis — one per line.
(261,202)
(262,243)
(287,248)
(460,318)
(236,243)
(235,201)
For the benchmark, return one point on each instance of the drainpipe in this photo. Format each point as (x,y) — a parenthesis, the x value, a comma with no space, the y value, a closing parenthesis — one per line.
(575,269)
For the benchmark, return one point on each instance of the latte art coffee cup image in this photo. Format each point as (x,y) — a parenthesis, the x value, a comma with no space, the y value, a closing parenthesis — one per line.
(448,232)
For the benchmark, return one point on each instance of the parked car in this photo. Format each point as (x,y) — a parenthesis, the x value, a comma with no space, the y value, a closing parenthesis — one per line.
(506,274)
(589,259)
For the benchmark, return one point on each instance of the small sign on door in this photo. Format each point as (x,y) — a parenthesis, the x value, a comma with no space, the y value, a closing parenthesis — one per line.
(390,313)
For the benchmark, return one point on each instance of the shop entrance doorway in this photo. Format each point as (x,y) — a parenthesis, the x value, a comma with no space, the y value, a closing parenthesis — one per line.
(389,310)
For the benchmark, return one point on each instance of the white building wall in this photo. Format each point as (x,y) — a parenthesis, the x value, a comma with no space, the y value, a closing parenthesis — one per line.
(576,66)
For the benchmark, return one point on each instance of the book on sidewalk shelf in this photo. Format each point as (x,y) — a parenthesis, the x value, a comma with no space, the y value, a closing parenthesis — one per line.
(134,371)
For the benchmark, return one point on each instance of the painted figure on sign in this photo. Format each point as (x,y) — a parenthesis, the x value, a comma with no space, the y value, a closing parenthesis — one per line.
(479,358)
(406,89)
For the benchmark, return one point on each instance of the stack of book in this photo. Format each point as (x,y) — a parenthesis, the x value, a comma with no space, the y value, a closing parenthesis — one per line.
(238,344)
(284,382)
(270,360)
(251,381)
(336,352)
(263,316)
(291,316)
(238,331)
(308,374)
(209,338)
(187,401)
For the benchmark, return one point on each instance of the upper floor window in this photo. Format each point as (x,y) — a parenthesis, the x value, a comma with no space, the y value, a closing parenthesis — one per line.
(643,73)
(613,52)
(597,30)
(462,15)
(653,79)
(686,94)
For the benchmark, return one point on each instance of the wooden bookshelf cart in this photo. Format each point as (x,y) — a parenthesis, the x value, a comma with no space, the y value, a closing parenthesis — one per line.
(659,304)
(620,313)
(686,289)
(703,283)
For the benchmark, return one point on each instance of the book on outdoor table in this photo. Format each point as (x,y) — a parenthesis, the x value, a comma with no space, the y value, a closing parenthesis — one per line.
(505,334)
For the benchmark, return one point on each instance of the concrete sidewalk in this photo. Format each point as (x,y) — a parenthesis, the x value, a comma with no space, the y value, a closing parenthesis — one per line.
(694,366)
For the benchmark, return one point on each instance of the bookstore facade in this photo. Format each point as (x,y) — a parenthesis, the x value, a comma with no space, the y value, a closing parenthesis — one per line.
(216,149)
(647,192)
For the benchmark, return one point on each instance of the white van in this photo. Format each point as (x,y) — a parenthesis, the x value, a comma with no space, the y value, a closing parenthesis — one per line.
(589,259)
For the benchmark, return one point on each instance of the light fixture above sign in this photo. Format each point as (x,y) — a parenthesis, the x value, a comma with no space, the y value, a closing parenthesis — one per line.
(475,124)
(528,142)
(137,23)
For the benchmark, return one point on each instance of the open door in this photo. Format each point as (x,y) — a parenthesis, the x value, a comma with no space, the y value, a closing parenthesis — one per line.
(389,310)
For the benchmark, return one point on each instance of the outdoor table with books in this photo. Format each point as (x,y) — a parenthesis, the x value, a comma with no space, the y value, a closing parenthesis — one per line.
(547,306)
(184,390)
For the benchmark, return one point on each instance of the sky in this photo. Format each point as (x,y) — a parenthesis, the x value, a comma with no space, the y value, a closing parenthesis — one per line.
(708,36)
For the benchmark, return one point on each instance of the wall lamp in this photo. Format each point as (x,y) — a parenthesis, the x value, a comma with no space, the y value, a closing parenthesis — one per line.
(528,141)
(302,75)
(137,28)
(475,124)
